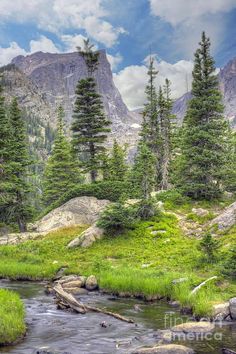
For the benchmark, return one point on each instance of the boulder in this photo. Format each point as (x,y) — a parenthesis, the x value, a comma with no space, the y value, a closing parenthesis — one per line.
(221,311)
(77,211)
(165,349)
(232,308)
(76,291)
(91,283)
(194,327)
(227,219)
(73,284)
(74,280)
(88,237)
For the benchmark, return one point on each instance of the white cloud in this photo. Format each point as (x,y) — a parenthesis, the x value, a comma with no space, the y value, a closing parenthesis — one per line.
(7,54)
(73,41)
(114,60)
(59,15)
(132,80)
(178,11)
(190,17)
(43,44)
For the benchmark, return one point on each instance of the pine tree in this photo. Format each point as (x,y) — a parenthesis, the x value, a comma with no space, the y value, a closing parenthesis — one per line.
(117,165)
(61,172)
(90,126)
(18,168)
(143,172)
(5,143)
(150,132)
(202,172)
(166,124)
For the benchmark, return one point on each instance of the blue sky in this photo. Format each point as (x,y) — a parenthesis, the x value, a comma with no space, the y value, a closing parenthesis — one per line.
(128,29)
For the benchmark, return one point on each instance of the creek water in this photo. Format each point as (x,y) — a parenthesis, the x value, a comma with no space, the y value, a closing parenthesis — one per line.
(83,334)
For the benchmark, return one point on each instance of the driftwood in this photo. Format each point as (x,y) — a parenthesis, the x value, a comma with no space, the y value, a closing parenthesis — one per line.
(202,284)
(228,351)
(67,300)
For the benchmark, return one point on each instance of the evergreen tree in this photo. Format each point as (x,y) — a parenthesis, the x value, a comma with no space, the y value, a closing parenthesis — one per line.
(20,208)
(90,126)
(166,124)
(202,170)
(5,143)
(231,165)
(117,165)
(209,247)
(61,172)
(143,172)
(150,132)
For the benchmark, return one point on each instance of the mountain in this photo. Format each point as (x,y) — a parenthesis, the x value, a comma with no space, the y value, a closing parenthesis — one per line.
(227,80)
(56,75)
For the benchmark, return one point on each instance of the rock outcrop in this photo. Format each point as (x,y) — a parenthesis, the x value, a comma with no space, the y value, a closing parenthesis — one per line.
(77,211)
(227,219)
(87,238)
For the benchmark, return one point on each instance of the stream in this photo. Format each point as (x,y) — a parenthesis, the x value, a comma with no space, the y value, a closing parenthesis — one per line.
(83,334)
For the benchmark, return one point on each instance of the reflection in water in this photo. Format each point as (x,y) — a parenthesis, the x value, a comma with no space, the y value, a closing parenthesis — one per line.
(83,334)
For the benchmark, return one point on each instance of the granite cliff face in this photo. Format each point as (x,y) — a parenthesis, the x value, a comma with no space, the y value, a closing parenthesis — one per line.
(227,80)
(56,75)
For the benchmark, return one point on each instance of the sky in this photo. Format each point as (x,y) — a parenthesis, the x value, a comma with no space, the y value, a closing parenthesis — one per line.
(129,30)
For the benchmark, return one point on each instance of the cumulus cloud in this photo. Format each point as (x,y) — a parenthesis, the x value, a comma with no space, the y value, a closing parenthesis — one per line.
(43,44)
(71,42)
(132,80)
(59,15)
(190,17)
(114,60)
(7,54)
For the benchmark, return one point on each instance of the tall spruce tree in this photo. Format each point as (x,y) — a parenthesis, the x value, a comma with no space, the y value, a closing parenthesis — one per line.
(166,125)
(202,170)
(20,207)
(143,172)
(150,132)
(90,125)
(5,154)
(117,165)
(61,172)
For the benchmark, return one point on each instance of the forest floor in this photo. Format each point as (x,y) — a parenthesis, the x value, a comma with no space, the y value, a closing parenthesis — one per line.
(144,260)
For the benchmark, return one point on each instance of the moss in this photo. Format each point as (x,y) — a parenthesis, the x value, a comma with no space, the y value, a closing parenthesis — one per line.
(12,314)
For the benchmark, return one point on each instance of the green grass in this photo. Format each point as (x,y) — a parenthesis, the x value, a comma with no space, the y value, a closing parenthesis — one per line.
(12,315)
(144,260)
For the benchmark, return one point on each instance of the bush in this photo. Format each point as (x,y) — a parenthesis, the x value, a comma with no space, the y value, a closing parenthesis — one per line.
(111,190)
(146,209)
(172,196)
(209,247)
(230,264)
(117,217)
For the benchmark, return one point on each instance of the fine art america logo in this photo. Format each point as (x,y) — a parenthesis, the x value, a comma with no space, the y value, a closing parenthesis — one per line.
(187,330)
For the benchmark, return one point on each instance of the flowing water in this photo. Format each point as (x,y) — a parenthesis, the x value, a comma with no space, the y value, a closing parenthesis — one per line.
(84,334)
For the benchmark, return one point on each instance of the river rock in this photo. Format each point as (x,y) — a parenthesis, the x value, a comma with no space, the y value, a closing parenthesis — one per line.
(232,308)
(227,219)
(78,283)
(76,291)
(91,283)
(77,211)
(221,311)
(87,238)
(194,327)
(46,350)
(165,349)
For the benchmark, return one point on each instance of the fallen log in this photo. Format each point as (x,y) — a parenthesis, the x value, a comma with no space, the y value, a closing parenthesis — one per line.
(202,284)
(66,299)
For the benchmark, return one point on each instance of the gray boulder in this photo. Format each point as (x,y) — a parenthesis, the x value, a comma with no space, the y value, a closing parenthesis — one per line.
(232,308)
(227,219)
(88,237)
(221,311)
(91,283)
(77,211)
(194,327)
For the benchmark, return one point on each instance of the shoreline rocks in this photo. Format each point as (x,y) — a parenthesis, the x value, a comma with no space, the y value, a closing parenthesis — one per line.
(165,349)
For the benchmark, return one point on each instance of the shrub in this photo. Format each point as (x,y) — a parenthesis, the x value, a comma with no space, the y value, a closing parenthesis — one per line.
(111,190)
(117,217)
(146,209)
(172,196)
(230,264)
(209,247)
